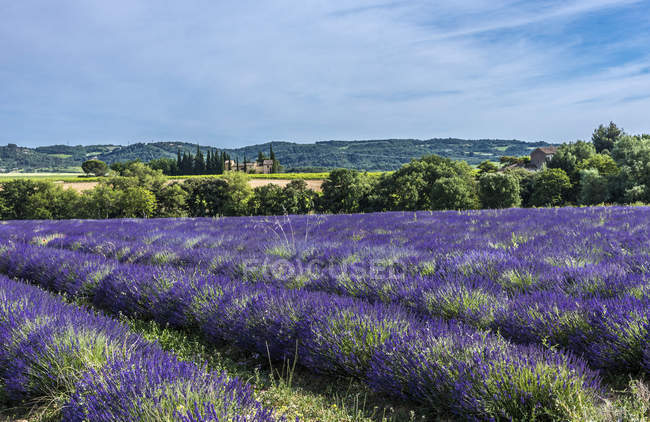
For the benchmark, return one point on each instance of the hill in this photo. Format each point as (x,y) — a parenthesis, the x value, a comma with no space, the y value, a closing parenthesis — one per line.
(371,155)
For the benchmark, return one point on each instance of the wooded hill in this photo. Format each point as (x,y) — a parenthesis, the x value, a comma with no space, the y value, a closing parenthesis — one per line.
(371,155)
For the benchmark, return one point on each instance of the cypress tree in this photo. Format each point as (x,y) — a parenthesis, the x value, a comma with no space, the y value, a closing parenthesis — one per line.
(199,162)
(186,164)
(276,164)
(208,162)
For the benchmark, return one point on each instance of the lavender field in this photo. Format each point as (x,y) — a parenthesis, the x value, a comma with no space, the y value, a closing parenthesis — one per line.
(520,314)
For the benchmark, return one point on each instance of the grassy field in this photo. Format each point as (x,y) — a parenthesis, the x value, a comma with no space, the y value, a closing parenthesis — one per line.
(80,178)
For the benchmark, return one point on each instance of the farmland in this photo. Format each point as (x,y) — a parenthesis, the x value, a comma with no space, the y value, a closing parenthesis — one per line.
(522,314)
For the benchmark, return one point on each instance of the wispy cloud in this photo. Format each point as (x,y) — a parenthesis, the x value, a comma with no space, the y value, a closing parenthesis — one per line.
(230,73)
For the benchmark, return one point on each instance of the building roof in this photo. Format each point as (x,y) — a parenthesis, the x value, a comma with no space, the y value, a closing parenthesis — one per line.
(547,150)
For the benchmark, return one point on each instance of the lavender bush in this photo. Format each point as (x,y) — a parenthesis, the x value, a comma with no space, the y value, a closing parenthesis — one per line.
(92,368)
(395,299)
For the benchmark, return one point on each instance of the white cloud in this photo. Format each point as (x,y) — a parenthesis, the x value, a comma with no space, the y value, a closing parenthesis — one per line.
(230,73)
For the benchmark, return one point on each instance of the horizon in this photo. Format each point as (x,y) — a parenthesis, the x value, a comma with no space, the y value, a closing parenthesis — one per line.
(237,74)
(264,143)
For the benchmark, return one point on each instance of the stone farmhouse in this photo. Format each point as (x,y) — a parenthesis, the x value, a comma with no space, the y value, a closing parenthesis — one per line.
(250,167)
(541,156)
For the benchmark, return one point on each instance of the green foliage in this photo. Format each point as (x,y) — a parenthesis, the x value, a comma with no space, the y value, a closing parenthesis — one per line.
(239,192)
(575,174)
(526,181)
(453,193)
(206,197)
(14,197)
(294,198)
(137,174)
(593,187)
(95,167)
(487,167)
(632,155)
(166,165)
(520,161)
(100,203)
(550,188)
(604,138)
(53,201)
(171,201)
(419,186)
(267,200)
(218,196)
(136,202)
(27,199)
(297,198)
(499,190)
(568,158)
(604,163)
(345,191)
(374,155)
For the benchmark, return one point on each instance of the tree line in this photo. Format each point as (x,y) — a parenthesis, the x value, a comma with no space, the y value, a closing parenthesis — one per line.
(213,162)
(613,168)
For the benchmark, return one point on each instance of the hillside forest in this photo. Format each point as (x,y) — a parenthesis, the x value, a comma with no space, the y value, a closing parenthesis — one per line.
(371,155)
(613,168)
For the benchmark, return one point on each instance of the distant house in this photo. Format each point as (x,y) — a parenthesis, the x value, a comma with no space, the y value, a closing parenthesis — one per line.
(251,167)
(541,156)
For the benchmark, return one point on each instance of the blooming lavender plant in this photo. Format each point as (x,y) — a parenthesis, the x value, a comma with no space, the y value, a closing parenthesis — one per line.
(93,368)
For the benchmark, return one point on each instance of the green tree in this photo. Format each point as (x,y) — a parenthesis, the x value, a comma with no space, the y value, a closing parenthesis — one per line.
(218,197)
(95,167)
(137,174)
(412,186)
(101,202)
(276,164)
(136,202)
(499,190)
(604,163)
(14,198)
(171,201)
(167,166)
(345,191)
(526,181)
(402,190)
(487,167)
(27,199)
(267,200)
(632,183)
(453,193)
(297,198)
(240,193)
(199,162)
(593,187)
(550,187)
(52,201)
(206,197)
(568,158)
(604,137)
(260,158)
(507,160)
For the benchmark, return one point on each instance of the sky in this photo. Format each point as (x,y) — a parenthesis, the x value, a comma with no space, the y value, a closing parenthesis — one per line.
(234,73)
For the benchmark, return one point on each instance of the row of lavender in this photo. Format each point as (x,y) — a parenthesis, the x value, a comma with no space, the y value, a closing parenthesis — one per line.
(447,365)
(58,355)
(576,278)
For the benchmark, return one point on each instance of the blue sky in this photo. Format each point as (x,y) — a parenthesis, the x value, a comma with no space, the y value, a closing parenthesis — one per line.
(233,73)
